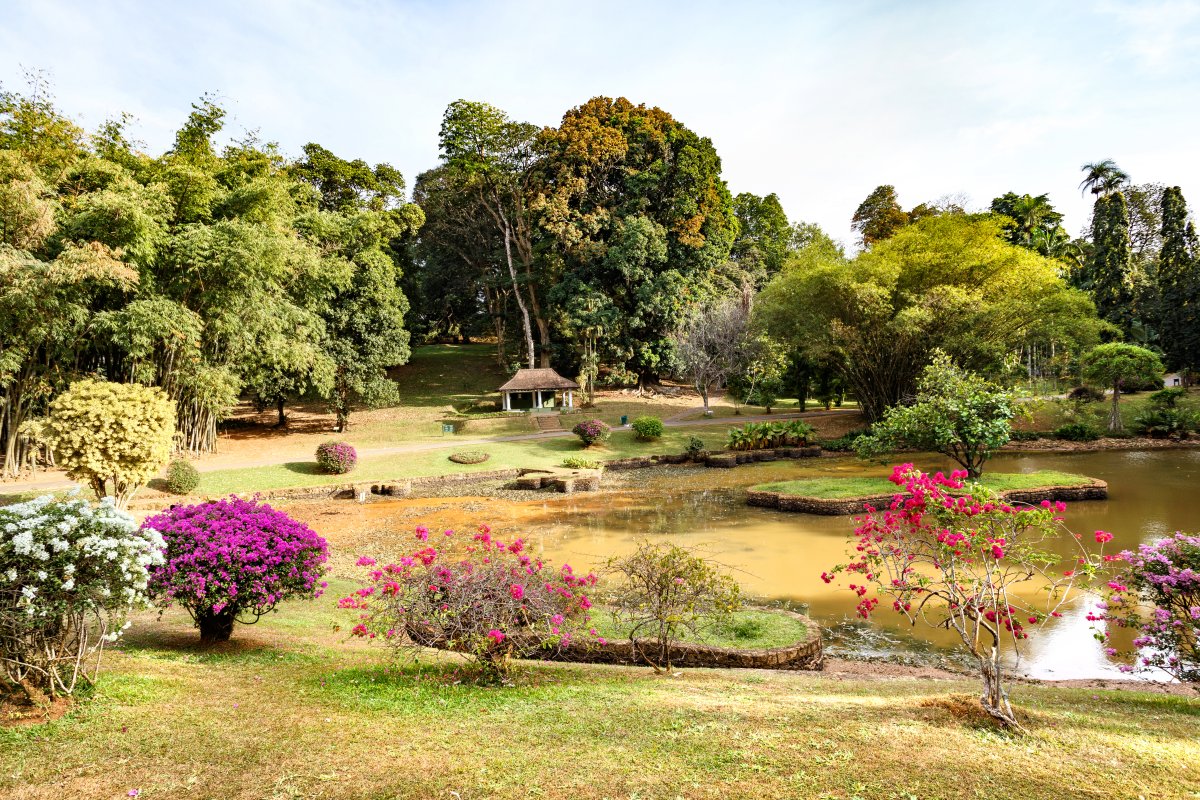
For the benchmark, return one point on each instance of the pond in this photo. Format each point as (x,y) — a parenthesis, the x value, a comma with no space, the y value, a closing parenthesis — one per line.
(779,556)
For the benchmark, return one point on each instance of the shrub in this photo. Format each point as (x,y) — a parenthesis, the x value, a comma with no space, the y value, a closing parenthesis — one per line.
(766,435)
(647,429)
(1168,398)
(232,559)
(575,462)
(482,597)
(112,436)
(1158,594)
(694,448)
(1163,423)
(182,476)
(336,458)
(1025,436)
(845,442)
(592,431)
(1077,432)
(668,590)
(69,573)
(949,555)
(1085,394)
(469,457)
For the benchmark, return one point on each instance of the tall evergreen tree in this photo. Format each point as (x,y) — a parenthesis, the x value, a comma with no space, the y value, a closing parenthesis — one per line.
(1109,270)
(1178,280)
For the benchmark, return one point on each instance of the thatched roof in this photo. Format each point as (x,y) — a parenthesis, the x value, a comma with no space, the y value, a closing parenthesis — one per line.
(529,380)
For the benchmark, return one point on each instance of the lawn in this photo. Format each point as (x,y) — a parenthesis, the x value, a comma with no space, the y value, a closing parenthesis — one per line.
(292,709)
(1045,415)
(748,628)
(836,488)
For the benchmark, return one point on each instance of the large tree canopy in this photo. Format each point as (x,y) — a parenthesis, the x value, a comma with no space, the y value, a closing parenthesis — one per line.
(948,281)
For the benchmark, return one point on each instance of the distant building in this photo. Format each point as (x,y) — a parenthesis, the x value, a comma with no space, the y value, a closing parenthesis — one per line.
(537,388)
(1172,379)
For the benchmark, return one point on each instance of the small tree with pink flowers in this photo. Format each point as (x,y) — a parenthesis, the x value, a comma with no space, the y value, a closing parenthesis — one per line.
(475,595)
(952,555)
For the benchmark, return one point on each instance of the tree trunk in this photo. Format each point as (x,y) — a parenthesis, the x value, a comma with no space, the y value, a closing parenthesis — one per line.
(1114,418)
(216,627)
(512,273)
(994,699)
(282,420)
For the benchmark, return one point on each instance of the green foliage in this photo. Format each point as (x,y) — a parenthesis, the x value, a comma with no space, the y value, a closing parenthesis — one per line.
(957,413)
(948,281)
(845,442)
(1108,274)
(666,591)
(767,435)
(647,428)
(1164,418)
(764,237)
(1077,432)
(579,462)
(182,477)
(111,436)
(879,216)
(694,447)
(1177,277)
(1114,364)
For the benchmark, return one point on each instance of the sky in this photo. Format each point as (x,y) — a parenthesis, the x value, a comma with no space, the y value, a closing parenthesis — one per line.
(819,102)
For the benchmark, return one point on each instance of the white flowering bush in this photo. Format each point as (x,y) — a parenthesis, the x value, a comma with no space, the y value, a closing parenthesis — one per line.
(69,574)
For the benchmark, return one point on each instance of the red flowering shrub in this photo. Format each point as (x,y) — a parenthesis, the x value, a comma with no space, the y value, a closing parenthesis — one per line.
(951,555)
(591,431)
(484,598)
(336,458)
(231,560)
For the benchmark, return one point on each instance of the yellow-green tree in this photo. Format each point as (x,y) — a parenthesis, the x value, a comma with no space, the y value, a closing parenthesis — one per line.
(112,436)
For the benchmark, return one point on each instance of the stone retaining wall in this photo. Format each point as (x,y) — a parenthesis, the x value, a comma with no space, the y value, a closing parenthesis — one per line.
(1096,490)
(803,655)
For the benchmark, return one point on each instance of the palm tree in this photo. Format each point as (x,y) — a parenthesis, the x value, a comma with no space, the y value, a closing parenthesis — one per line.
(1057,243)
(1032,215)
(1103,177)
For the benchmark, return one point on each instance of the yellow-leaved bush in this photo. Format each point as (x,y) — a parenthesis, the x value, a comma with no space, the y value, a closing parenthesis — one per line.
(112,436)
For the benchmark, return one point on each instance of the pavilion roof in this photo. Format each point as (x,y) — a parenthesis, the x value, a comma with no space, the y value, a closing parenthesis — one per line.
(529,380)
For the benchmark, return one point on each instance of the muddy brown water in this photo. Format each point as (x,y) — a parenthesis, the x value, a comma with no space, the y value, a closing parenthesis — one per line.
(779,556)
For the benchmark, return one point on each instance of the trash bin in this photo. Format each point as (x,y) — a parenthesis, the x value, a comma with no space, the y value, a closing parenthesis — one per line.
(624,420)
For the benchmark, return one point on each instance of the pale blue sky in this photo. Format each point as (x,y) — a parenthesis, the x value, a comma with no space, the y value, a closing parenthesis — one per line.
(817,101)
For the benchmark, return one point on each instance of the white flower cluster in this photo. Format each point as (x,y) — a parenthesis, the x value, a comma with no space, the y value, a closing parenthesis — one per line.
(56,555)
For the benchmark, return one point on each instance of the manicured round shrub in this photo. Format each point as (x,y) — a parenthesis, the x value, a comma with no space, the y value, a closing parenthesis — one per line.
(469,457)
(1077,432)
(69,573)
(592,431)
(182,477)
(336,458)
(233,560)
(648,429)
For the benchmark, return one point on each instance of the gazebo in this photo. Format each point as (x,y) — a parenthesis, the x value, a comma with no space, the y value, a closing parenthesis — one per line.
(529,389)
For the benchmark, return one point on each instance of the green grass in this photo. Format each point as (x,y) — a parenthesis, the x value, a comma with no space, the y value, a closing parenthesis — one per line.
(749,628)
(835,488)
(293,709)
(1045,415)
(531,453)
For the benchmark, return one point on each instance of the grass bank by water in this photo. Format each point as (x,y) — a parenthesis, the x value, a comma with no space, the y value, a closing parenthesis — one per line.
(747,629)
(839,488)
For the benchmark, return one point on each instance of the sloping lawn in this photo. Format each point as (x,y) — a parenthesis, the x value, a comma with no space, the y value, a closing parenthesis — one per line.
(290,709)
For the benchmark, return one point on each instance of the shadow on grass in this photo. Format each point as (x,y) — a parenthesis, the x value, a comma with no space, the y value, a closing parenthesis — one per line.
(303,468)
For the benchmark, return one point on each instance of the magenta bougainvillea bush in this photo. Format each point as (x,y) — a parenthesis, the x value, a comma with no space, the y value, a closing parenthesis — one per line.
(473,594)
(234,560)
(591,431)
(336,458)
(1157,593)
(952,555)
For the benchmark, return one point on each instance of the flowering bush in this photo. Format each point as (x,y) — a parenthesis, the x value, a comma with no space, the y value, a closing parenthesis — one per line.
(336,458)
(666,591)
(1166,575)
(951,555)
(231,559)
(69,572)
(481,597)
(591,431)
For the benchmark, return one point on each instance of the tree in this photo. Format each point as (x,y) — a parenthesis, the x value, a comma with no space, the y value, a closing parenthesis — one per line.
(1109,275)
(709,346)
(1102,178)
(879,216)
(763,239)
(1115,363)
(349,185)
(948,281)
(634,207)
(956,413)
(1028,217)
(1178,283)
(112,436)
(952,556)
